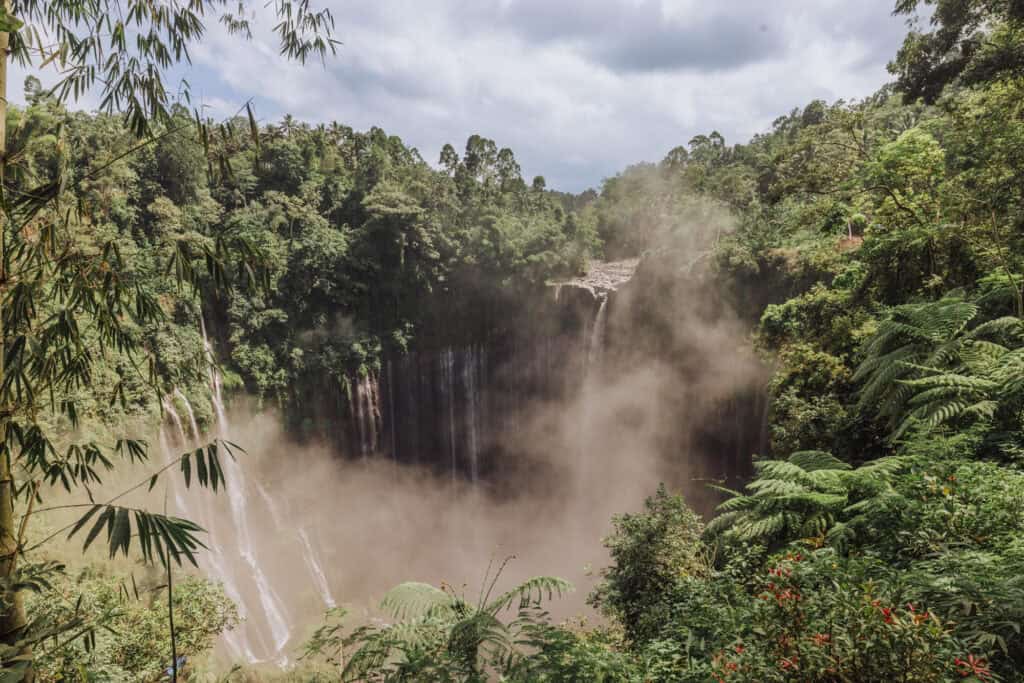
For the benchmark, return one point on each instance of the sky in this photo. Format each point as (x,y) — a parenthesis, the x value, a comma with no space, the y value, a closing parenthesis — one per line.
(578,90)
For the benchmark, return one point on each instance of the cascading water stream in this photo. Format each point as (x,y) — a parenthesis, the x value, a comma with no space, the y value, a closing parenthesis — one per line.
(469,379)
(273,609)
(389,371)
(188,411)
(309,555)
(449,392)
(595,343)
(165,446)
(593,338)
(212,561)
(360,419)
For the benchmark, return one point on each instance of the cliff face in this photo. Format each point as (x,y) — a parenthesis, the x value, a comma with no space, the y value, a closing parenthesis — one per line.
(490,402)
(542,416)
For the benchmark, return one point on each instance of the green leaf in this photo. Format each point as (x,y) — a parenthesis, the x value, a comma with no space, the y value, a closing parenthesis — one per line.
(201,473)
(9,23)
(85,518)
(121,532)
(186,469)
(107,516)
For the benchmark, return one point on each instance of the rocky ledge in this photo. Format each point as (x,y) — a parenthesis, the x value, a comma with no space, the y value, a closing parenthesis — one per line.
(601,277)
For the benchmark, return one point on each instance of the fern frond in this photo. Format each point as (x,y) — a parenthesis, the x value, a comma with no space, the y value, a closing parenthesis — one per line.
(951,380)
(811,461)
(723,522)
(881,468)
(480,631)
(827,480)
(941,319)
(736,504)
(982,410)
(1005,327)
(943,354)
(883,369)
(814,500)
(420,632)
(943,411)
(762,528)
(531,590)
(414,599)
(980,349)
(776,487)
(840,535)
(781,470)
(935,394)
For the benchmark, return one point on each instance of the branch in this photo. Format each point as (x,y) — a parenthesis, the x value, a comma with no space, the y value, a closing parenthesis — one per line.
(124,493)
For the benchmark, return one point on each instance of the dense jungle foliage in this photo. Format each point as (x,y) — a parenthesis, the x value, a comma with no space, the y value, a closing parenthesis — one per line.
(347,241)
(877,251)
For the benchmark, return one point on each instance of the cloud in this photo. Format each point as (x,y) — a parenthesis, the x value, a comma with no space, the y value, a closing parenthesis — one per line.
(648,35)
(578,90)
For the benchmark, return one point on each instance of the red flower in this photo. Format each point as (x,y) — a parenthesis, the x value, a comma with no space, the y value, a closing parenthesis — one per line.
(821,639)
(887,614)
(788,663)
(973,666)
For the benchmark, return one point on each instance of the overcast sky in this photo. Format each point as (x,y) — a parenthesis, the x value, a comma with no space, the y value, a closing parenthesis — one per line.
(578,89)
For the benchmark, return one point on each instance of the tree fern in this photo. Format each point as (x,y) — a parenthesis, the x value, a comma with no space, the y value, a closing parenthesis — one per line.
(913,335)
(811,494)
(932,364)
(434,625)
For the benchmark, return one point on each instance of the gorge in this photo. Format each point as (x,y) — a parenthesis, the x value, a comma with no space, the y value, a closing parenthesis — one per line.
(300,401)
(522,441)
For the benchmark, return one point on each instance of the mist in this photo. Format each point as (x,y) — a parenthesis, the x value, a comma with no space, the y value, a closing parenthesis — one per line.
(325,529)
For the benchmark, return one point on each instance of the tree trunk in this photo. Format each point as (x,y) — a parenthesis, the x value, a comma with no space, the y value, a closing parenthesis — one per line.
(12,611)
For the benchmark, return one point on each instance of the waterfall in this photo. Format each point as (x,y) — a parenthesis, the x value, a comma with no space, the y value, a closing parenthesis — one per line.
(176,420)
(364,410)
(391,410)
(469,379)
(448,388)
(191,413)
(371,413)
(315,568)
(212,561)
(360,420)
(595,342)
(443,406)
(237,557)
(168,452)
(272,607)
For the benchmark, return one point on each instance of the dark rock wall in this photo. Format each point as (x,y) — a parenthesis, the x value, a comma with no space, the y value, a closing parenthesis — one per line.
(465,401)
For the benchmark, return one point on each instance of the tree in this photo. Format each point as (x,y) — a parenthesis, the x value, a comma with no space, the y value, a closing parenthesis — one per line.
(650,551)
(64,304)
(972,40)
